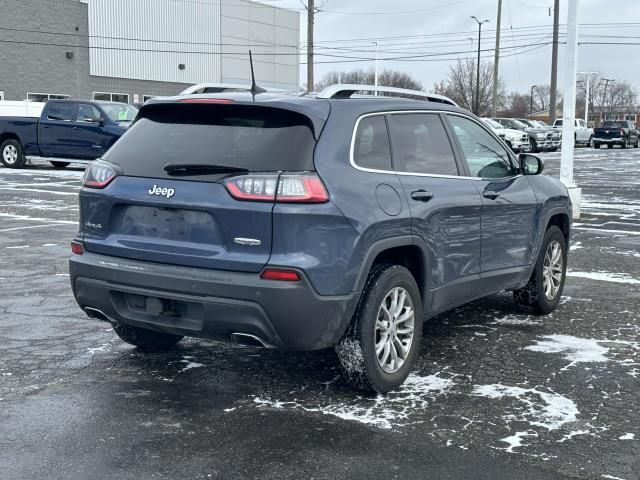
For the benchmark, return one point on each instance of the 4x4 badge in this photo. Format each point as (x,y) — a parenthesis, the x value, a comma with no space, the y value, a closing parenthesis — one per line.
(165,192)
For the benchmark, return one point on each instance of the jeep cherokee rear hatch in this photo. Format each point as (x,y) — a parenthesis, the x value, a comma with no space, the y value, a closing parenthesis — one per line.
(194,183)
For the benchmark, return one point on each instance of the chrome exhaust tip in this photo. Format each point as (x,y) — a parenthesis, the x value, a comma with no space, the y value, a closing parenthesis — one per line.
(247,340)
(98,314)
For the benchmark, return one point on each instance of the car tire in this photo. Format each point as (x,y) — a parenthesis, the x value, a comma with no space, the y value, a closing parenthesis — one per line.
(590,142)
(11,154)
(148,340)
(60,164)
(544,289)
(624,144)
(366,352)
(609,145)
(596,146)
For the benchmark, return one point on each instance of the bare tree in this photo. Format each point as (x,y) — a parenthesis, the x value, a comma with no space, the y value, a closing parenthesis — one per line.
(460,86)
(542,98)
(517,105)
(607,96)
(386,77)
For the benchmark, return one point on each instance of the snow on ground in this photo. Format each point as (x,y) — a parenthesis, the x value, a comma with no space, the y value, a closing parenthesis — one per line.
(384,411)
(605,277)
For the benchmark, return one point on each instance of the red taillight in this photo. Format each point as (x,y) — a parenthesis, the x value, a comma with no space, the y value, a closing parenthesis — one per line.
(280,275)
(98,175)
(76,248)
(301,189)
(291,188)
(206,100)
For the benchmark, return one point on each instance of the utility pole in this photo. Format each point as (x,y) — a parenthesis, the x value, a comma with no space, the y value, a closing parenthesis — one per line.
(311,11)
(476,108)
(606,81)
(554,61)
(496,59)
(569,111)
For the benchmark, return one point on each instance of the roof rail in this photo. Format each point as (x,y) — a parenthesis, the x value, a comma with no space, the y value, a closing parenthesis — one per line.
(223,87)
(346,90)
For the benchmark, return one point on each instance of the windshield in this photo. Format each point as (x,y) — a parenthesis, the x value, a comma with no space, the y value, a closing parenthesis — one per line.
(528,123)
(492,123)
(120,112)
(540,123)
(511,123)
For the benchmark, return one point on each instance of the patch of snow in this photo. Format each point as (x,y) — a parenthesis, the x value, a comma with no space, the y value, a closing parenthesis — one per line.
(514,320)
(627,436)
(576,350)
(18,246)
(515,441)
(612,477)
(189,365)
(575,246)
(547,410)
(605,277)
(383,411)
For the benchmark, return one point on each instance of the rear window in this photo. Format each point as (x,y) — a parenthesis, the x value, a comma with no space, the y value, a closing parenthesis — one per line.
(612,124)
(245,137)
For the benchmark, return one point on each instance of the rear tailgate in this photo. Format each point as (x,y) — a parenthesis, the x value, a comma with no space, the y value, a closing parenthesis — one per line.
(190,218)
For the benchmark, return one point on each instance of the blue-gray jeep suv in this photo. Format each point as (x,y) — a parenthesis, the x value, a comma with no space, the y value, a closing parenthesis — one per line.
(309,222)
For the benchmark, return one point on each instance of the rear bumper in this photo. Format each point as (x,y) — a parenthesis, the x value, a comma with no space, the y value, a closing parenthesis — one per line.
(211,304)
(608,140)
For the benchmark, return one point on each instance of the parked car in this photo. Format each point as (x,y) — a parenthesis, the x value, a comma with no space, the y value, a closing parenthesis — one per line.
(556,135)
(583,134)
(67,130)
(282,222)
(616,132)
(517,140)
(540,139)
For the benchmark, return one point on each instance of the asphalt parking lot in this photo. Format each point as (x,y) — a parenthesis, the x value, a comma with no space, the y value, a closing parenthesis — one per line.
(495,394)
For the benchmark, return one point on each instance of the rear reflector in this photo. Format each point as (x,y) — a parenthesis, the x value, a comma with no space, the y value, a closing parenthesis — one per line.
(206,100)
(76,248)
(281,275)
(292,188)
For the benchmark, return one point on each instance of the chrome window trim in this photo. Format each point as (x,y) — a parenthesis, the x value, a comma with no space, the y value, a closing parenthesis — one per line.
(412,174)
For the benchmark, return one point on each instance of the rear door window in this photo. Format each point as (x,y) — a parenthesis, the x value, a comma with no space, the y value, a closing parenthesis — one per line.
(485,156)
(420,144)
(371,147)
(256,139)
(63,111)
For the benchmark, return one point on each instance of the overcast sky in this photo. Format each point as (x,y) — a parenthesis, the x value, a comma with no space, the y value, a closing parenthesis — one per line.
(522,64)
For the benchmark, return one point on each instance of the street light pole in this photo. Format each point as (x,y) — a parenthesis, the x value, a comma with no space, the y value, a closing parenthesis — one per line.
(568,128)
(376,74)
(477,102)
(531,100)
(586,100)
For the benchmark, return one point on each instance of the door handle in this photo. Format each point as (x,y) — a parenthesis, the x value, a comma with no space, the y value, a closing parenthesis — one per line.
(490,194)
(421,195)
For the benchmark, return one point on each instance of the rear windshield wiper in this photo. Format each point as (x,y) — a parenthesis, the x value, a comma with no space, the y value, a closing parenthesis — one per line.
(178,169)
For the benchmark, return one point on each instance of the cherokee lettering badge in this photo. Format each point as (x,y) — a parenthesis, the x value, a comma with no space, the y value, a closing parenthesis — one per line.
(165,192)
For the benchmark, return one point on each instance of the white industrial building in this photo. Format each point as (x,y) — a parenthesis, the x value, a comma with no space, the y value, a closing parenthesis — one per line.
(129,50)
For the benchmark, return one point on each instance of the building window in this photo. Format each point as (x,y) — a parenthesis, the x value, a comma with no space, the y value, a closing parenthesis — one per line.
(111,97)
(43,97)
(147,97)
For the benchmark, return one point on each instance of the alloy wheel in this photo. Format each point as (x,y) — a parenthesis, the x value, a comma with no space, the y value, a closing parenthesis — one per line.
(552,270)
(10,154)
(394,329)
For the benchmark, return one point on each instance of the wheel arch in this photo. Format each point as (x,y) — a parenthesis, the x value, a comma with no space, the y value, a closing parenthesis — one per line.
(408,251)
(9,136)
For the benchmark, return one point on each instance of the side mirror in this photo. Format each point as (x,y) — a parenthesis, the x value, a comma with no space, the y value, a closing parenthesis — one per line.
(530,164)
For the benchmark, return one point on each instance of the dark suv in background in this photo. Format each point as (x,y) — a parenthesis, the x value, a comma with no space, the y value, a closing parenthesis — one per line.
(309,222)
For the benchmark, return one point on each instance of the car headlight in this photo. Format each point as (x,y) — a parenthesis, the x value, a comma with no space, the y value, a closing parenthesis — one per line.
(540,135)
